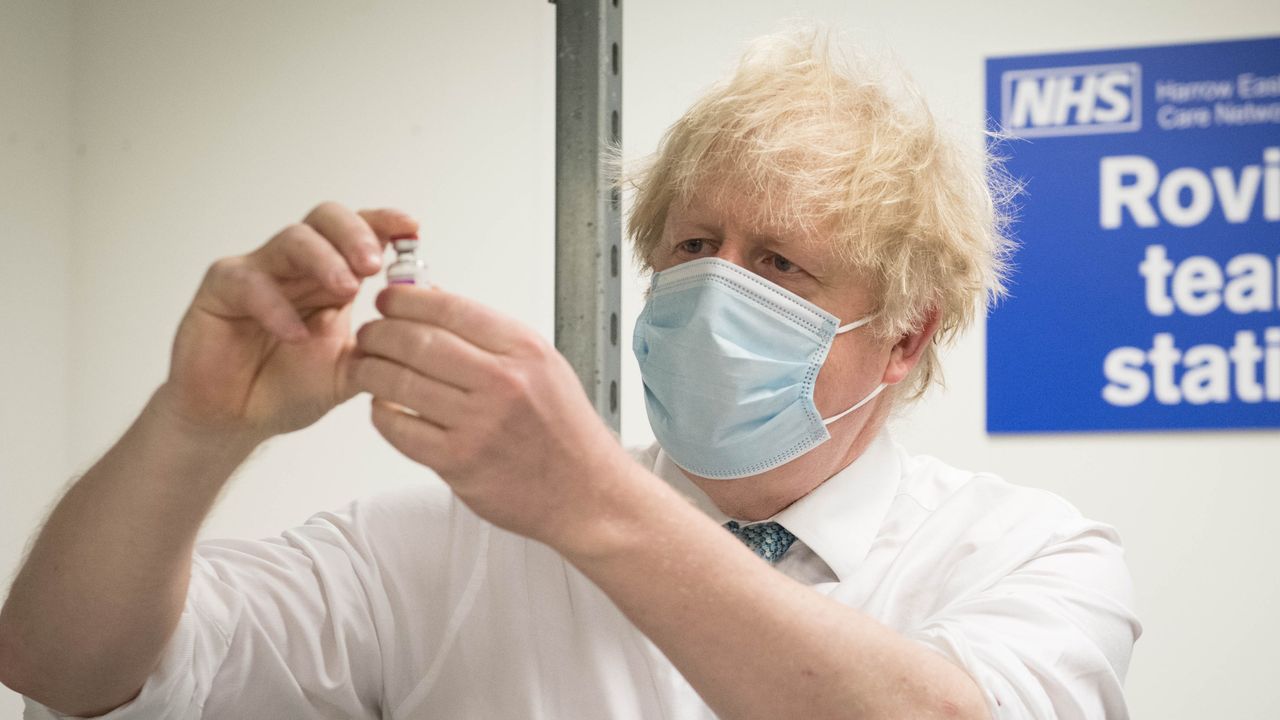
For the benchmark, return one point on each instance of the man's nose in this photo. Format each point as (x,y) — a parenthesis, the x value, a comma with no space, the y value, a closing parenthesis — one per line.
(734,250)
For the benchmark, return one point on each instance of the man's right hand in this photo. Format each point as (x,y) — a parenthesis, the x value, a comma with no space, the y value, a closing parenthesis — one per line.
(263,348)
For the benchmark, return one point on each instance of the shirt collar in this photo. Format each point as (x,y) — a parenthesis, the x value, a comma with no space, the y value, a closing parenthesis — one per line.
(839,519)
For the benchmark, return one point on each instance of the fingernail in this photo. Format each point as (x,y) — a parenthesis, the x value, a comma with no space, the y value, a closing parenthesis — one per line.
(373,260)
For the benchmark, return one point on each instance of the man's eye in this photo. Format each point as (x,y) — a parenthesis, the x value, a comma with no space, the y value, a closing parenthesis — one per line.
(783,265)
(693,247)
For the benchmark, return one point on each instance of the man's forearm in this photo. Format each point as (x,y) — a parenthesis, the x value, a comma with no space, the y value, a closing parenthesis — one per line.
(101,592)
(754,643)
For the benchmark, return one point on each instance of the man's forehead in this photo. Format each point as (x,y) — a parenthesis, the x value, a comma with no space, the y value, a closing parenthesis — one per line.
(722,207)
(759,215)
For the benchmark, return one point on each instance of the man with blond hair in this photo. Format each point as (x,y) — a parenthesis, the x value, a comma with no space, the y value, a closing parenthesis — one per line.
(813,237)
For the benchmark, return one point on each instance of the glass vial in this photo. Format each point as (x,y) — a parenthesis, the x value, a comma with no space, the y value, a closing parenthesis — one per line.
(407,269)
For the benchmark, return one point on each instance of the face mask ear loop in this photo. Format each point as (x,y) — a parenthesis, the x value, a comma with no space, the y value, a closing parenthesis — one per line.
(855,324)
(844,329)
(860,403)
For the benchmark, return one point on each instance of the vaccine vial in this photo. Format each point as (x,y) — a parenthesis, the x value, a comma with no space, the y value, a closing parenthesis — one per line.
(407,269)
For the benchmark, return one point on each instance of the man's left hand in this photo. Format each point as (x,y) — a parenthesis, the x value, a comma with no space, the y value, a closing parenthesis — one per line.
(500,414)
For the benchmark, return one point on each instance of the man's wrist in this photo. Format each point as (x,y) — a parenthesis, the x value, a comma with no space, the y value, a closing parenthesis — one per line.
(625,498)
(186,437)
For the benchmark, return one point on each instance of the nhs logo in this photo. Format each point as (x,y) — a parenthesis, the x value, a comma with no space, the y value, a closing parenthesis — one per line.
(1082,100)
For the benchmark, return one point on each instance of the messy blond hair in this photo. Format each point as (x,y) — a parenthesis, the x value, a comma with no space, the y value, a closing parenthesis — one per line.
(838,147)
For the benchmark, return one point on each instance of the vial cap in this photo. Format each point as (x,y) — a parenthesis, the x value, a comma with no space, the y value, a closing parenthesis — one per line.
(406,241)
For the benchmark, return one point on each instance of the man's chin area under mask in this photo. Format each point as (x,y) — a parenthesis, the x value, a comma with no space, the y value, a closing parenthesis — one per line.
(761,496)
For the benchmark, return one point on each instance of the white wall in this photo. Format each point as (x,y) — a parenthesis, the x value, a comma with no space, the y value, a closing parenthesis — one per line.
(35,237)
(199,130)
(205,130)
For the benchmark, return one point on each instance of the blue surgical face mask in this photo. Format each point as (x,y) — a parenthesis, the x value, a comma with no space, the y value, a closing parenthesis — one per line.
(729,361)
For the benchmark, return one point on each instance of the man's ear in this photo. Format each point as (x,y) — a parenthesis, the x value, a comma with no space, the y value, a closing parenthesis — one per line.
(906,353)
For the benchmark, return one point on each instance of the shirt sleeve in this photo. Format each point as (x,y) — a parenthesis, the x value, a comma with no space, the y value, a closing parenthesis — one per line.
(1053,637)
(282,627)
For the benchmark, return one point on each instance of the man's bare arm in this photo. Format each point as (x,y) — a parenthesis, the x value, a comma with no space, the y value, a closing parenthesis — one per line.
(753,642)
(101,592)
(263,350)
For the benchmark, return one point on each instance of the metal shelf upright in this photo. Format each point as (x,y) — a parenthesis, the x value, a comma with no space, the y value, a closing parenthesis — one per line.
(588,206)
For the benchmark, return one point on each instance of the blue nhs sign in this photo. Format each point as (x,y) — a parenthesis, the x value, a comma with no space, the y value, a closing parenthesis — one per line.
(1146,291)
(1071,100)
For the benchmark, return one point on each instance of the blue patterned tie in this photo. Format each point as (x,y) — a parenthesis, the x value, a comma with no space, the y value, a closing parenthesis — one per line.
(768,540)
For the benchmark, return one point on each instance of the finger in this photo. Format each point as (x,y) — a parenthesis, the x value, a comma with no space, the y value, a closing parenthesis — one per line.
(243,289)
(416,438)
(437,402)
(350,234)
(430,351)
(387,223)
(301,251)
(470,320)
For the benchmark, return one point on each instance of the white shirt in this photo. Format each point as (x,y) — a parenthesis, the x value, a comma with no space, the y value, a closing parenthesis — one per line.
(407,605)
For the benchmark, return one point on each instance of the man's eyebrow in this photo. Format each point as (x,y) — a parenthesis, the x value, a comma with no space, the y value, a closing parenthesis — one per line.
(696,224)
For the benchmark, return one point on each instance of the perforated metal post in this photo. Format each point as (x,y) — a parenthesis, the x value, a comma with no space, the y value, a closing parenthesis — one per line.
(588,213)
